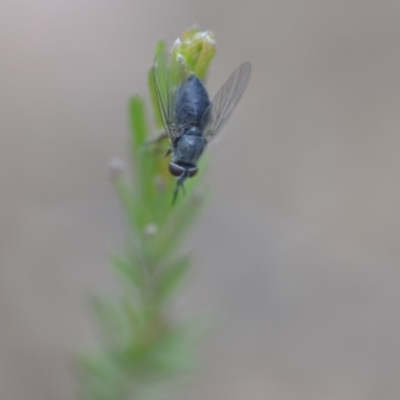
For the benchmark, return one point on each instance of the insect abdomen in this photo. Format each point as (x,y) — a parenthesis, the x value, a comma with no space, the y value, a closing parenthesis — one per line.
(191,103)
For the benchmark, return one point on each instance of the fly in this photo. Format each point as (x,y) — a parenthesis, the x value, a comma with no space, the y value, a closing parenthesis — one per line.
(189,118)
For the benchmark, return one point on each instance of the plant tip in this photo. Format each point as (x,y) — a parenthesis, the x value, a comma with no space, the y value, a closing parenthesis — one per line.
(150,230)
(116,167)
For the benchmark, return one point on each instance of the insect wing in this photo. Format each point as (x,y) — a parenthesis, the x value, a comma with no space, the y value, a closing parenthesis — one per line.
(169,74)
(226,100)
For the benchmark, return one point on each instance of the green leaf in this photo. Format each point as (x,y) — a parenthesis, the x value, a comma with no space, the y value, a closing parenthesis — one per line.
(128,270)
(171,277)
(102,378)
(161,46)
(135,315)
(100,366)
(138,122)
(144,159)
(153,96)
(116,329)
(172,353)
(177,219)
(174,230)
(130,202)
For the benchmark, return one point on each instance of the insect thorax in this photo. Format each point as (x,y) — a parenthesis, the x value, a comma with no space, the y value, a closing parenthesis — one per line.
(189,147)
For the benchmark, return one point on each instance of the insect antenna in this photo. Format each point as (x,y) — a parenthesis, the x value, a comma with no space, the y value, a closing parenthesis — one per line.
(179,184)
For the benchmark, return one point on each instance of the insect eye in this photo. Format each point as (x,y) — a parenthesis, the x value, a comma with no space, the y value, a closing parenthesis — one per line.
(176,170)
(192,172)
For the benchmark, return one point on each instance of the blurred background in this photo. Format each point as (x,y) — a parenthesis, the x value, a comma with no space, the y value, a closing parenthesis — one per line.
(296,256)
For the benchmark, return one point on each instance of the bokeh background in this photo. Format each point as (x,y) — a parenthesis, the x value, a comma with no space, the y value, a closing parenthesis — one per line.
(296,256)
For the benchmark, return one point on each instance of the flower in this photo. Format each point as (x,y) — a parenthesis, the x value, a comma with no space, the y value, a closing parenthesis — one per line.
(197,49)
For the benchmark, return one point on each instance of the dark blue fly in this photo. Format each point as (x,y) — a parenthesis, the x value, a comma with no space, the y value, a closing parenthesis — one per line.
(190,119)
(191,107)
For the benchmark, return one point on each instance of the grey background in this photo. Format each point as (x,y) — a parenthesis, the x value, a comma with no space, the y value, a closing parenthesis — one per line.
(297,256)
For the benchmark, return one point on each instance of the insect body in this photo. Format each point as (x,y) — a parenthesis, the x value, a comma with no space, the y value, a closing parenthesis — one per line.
(189,118)
(191,106)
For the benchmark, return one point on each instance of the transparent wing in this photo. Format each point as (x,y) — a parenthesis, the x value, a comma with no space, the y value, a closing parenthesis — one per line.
(169,74)
(226,100)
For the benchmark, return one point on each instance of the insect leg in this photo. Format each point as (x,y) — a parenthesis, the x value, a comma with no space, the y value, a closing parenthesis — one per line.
(157,145)
(158,139)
